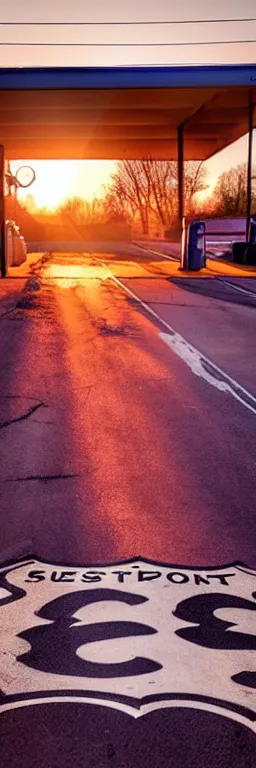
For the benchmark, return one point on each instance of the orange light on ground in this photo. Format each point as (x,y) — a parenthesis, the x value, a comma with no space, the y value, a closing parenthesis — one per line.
(66,275)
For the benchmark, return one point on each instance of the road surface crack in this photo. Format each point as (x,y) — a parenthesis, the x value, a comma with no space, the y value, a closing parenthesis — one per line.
(23,416)
(7,312)
(104,328)
(42,478)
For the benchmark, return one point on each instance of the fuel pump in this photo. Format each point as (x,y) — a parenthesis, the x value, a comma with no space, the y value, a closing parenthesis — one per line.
(193,252)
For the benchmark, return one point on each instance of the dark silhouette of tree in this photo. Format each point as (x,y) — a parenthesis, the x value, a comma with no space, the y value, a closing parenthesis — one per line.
(230,194)
(81,211)
(147,191)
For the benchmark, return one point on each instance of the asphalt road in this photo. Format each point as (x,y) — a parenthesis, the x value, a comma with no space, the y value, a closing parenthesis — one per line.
(119,442)
(114,447)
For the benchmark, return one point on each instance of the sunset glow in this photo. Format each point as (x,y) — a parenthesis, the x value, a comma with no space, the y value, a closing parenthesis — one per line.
(57,180)
(206,193)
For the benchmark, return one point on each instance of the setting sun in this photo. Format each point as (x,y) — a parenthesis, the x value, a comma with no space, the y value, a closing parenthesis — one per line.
(206,193)
(58,179)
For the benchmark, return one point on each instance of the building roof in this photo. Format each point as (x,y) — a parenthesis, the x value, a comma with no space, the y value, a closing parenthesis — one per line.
(123,112)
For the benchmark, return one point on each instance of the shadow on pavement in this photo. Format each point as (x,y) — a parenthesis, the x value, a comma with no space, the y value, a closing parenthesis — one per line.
(216,288)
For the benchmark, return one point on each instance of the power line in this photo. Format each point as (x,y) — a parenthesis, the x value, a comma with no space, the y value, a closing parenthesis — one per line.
(155,64)
(125,45)
(120,23)
(175,64)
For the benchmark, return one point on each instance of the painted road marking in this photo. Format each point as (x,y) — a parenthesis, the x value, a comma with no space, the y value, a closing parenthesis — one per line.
(196,363)
(132,661)
(157,253)
(196,360)
(131,635)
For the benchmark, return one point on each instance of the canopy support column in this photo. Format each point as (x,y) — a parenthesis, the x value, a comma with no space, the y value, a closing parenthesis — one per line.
(249,165)
(2,213)
(180,173)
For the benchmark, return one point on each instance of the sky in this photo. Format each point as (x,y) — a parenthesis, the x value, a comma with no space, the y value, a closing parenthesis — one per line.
(87,178)
(135,11)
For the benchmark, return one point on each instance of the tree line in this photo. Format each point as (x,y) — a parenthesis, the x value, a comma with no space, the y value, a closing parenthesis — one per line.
(143,194)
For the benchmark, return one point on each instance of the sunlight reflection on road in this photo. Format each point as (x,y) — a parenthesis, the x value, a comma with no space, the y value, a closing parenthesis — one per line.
(68,275)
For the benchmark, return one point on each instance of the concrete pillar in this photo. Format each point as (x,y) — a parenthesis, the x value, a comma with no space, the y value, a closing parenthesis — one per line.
(180,173)
(2,213)
(249,164)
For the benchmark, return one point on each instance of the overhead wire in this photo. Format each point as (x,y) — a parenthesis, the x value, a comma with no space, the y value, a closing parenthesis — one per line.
(158,22)
(122,23)
(125,45)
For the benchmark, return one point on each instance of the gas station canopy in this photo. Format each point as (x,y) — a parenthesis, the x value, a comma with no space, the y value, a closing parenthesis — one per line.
(124,112)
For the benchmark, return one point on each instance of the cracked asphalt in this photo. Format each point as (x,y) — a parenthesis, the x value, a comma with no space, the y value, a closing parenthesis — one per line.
(110,446)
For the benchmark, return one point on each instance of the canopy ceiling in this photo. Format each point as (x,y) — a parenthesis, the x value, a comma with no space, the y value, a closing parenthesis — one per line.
(115,113)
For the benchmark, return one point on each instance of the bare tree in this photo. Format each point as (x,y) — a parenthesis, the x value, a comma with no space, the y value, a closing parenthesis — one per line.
(195,180)
(162,182)
(129,186)
(75,208)
(147,190)
(119,199)
(230,194)
(81,211)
